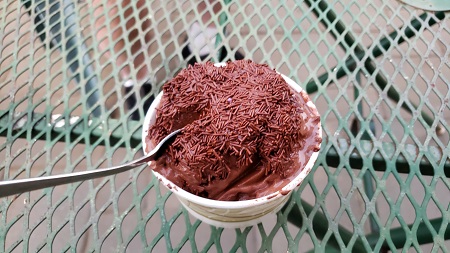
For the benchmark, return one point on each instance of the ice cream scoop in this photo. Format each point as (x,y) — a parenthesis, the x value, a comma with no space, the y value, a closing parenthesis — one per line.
(241,213)
(247,133)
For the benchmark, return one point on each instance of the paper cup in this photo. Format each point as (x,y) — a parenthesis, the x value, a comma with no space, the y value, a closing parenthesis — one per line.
(232,214)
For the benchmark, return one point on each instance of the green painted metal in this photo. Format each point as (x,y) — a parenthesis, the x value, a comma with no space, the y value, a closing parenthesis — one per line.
(380,186)
(432,5)
(63,14)
(348,41)
(222,21)
(367,179)
(410,31)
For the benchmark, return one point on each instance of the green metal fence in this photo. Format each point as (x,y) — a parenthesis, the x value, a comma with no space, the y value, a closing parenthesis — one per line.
(378,71)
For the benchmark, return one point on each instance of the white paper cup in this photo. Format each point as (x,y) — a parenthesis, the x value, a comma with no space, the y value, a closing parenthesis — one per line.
(232,214)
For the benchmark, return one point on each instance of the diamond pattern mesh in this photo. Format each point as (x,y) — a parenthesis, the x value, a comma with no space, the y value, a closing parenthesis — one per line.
(384,162)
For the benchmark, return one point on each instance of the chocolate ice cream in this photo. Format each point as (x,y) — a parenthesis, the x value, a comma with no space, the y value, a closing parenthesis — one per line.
(246,133)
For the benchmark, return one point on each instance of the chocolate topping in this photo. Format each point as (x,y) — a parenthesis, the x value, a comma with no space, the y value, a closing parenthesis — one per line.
(244,128)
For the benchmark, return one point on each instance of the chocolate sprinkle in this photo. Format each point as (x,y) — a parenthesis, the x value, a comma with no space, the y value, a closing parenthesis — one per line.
(239,120)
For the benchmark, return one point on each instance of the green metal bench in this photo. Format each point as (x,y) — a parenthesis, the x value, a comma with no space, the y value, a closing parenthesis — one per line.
(377,70)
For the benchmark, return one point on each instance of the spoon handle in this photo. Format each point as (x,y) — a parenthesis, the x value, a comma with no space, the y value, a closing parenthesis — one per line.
(11,187)
(17,186)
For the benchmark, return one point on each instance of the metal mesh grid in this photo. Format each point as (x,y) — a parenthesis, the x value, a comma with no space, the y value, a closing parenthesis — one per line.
(62,110)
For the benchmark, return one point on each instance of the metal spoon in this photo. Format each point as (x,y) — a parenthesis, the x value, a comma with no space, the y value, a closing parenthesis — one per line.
(11,187)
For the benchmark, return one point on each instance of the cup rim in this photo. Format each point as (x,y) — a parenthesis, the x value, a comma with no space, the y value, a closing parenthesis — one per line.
(151,113)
